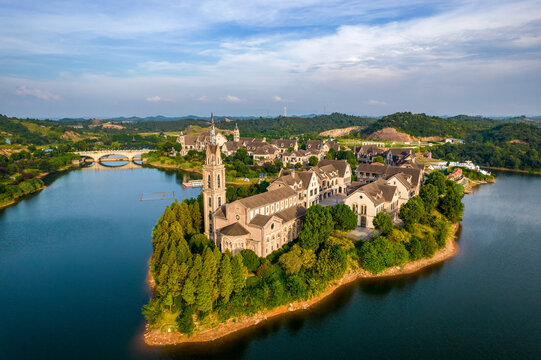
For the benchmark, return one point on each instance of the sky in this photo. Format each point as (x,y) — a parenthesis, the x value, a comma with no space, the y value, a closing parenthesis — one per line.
(159,57)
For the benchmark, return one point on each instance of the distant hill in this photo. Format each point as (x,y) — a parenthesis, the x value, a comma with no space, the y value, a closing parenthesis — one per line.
(282,126)
(422,125)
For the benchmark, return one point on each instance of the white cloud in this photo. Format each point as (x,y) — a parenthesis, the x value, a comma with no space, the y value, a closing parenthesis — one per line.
(157,99)
(203,99)
(376,102)
(233,99)
(38,93)
(277,98)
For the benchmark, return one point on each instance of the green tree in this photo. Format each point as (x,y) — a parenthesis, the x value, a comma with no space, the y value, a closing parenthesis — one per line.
(250,259)
(203,301)
(415,249)
(429,245)
(296,258)
(318,225)
(237,271)
(331,154)
(188,292)
(344,218)
(162,287)
(313,161)
(429,195)
(173,283)
(451,205)
(379,159)
(152,311)
(331,263)
(437,179)
(411,212)
(225,278)
(382,221)
(168,301)
(381,253)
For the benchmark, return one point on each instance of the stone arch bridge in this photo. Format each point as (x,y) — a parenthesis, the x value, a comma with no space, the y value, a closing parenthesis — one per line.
(131,155)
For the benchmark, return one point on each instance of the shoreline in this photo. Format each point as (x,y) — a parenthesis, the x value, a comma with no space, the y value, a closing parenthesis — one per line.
(175,167)
(231,326)
(468,188)
(40,176)
(512,170)
(20,198)
(196,171)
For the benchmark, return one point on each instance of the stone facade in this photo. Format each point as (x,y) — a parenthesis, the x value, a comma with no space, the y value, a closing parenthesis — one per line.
(214,189)
(368,200)
(197,142)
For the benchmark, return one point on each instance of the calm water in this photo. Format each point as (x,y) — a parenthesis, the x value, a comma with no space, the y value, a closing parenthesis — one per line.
(73,266)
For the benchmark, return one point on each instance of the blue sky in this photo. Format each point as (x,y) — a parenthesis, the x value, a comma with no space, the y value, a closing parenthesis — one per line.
(124,58)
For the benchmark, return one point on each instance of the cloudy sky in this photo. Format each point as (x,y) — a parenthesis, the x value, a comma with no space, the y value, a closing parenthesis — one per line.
(120,58)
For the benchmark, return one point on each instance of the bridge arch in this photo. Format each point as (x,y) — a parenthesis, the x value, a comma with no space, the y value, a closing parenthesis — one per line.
(97,155)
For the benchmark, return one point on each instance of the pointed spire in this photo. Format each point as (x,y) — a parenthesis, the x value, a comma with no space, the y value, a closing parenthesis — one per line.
(236,126)
(212,130)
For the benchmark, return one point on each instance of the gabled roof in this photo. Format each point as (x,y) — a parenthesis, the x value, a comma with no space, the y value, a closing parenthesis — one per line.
(292,213)
(267,197)
(264,149)
(284,144)
(368,150)
(404,179)
(220,212)
(378,192)
(388,171)
(340,165)
(234,229)
(260,220)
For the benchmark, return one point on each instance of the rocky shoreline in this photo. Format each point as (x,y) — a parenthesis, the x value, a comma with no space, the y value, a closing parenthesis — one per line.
(160,338)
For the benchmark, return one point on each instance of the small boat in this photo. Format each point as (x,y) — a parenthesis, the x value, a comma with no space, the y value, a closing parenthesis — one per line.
(193,183)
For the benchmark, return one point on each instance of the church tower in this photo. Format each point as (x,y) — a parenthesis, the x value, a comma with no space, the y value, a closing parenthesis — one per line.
(213,182)
(236,133)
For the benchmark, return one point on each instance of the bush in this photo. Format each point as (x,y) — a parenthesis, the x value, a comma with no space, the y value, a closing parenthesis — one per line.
(250,259)
(429,245)
(381,253)
(415,248)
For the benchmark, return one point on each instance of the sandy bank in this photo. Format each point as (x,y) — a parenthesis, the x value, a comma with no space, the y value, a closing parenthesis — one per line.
(157,337)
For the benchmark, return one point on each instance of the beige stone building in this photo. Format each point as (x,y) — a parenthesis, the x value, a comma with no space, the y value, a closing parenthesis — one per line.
(407,179)
(198,142)
(368,200)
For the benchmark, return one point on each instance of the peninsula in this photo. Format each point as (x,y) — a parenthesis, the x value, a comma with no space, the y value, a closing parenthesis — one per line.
(221,266)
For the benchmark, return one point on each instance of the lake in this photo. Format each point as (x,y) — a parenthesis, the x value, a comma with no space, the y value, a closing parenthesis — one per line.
(73,266)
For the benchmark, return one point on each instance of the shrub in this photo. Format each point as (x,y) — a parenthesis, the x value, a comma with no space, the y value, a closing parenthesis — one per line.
(250,259)
(382,221)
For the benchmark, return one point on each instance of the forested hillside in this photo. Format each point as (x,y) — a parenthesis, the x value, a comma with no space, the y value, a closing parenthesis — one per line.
(513,146)
(421,125)
(286,126)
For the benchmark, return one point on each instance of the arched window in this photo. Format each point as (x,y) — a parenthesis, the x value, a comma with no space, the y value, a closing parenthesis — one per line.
(219,200)
(218,180)
(210,202)
(209,181)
